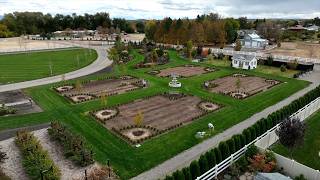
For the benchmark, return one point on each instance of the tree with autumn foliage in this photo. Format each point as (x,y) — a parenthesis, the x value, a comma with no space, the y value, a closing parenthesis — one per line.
(138,119)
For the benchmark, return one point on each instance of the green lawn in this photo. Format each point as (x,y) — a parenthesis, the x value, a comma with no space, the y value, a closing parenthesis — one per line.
(36,65)
(308,153)
(261,68)
(127,160)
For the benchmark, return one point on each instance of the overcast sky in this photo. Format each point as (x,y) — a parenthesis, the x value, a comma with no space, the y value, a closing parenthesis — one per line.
(157,9)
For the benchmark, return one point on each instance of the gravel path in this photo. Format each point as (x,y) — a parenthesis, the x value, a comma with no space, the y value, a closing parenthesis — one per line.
(185,158)
(12,166)
(67,168)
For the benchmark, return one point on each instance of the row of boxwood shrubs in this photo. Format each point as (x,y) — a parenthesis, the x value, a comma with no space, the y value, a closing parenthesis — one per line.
(35,159)
(73,146)
(226,148)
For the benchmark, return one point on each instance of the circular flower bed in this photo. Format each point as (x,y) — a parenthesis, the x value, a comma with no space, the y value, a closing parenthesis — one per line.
(126,77)
(81,98)
(271,81)
(238,95)
(106,114)
(208,106)
(239,75)
(209,69)
(135,134)
(64,88)
(154,72)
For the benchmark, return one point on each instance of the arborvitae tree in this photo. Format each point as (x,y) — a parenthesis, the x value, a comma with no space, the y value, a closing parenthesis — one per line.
(231,145)
(203,163)
(186,173)
(178,175)
(256,126)
(218,155)
(237,142)
(269,123)
(247,134)
(243,139)
(194,169)
(169,178)
(224,149)
(253,133)
(211,158)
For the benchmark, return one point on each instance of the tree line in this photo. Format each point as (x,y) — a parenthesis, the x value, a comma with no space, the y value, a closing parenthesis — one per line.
(209,28)
(20,23)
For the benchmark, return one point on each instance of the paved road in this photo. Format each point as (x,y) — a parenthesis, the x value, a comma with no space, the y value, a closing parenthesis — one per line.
(99,64)
(185,158)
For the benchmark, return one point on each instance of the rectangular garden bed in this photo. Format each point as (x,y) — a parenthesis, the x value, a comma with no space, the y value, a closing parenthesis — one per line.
(182,71)
(95,89)
(240,86)
(145,118)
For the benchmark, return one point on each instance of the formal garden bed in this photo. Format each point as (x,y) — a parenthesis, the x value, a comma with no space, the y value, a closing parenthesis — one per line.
(182,71)
(85,91)
(144,118)
(240,86)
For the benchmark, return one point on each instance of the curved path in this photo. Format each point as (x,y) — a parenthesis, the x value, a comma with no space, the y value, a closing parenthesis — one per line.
(186,157)
(100,63)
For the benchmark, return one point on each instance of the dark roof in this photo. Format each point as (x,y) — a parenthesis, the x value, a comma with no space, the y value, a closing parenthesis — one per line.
(241,57)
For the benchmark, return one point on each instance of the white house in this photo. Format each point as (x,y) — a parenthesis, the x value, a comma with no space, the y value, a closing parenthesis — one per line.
(313,28)
(244,62)
(253,41)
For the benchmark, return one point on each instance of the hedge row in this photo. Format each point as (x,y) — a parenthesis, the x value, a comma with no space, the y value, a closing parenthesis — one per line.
(73,146)
(35,159)
(226,148)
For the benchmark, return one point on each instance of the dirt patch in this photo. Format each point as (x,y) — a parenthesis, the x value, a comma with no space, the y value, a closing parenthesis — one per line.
(300,49)
(240,86)
(184,71)
(19,101)
(159,114)
(96,89)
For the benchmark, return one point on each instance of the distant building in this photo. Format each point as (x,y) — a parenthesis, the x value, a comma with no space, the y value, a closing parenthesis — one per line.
(253,41)
(297,28)
(313,28)
(244,62)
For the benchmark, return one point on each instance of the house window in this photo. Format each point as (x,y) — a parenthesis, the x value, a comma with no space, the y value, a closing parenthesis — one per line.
(247,63)
(235,62)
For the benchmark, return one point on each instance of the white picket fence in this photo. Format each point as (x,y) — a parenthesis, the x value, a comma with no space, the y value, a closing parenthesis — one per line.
(262,55)
(303,113)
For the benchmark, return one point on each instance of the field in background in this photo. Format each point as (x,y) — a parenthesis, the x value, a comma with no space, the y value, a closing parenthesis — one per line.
(29,66)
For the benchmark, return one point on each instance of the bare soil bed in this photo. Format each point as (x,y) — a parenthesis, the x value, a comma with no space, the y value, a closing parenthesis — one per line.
(241,86)
(159,114)
(300,49)
(19,101)
(184,71)
(96,89)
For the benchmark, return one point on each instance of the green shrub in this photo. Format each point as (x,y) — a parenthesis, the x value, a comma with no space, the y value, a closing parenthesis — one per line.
(253,133)
(224,149)
(194,169)
(203,163)
(169,178)
(231,145)
(243,139)
(237,142)
(218,155)
(34,158)
(178,175)
(186,173)
(283,68)
(247,134)
(74,146)
(211,158)
(251,151)
(7,110)
(301,177)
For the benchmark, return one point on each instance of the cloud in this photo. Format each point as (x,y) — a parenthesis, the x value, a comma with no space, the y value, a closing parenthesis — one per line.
(149,9)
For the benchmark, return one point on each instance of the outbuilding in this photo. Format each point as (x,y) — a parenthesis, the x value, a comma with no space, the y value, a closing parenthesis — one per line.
(247,62)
